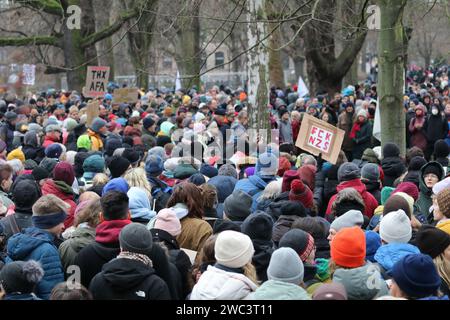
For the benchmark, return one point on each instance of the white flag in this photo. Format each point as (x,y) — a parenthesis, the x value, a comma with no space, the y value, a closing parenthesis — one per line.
(302,88)
(29,72)
(377,123)
(178,82)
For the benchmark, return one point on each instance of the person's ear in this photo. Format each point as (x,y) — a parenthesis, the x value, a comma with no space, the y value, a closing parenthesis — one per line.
(101,217)
(129,215)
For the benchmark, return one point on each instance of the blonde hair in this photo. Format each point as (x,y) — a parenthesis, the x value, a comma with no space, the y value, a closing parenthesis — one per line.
(272,190)
(137,177)
(250,272)
(443,268)
(296,115)
(89,214)
(100,179)
(88,196)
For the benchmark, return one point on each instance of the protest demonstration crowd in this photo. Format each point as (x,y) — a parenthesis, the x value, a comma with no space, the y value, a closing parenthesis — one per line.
(170,197)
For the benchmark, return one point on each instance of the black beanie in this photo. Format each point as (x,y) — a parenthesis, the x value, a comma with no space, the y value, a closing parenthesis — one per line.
(25,193)
(40,173)
(161,141)
(416,163)
(20,276)
(346,205)
(132,156)
(441,149)
(118,166)
(293,208)
(111,146)
(296,239)
(390,150)
(224,225)
(258,226)
(432,241)
(433,167)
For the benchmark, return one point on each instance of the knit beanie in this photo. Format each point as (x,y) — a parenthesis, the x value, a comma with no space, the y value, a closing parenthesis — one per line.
(198,179)
(233,249)
(154,166)
(285,265)
(148,122)
(409,188)
(228,170)
(395,227)
(441,149)
(293,208)
(348,171)
(370,156)
(40,173)
(71,124)
(373,242)
(111,146)
(118,166)
(131,155)
(64,172)
(441,185)
(330,291)
(258,226)
(434,168)
(84,142)
(117,184)
(30,164)
(167,220)
(94,163)
(299,240)
(432,241)
(416,276)
(21,276)
(385,194)
(237,205)
(348,248)
(25,193)
(301,193)
(16,154)
(267,164)
(283,166)
(208,171)
(443,200)
(136,238)
(390,150)
(370,172)
(48,164)
(288,177)
(349,219)
(97,124)
(416,163)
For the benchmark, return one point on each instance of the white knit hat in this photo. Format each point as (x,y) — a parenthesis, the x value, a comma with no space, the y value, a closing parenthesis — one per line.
(350,219)
(233,249)
(395,227)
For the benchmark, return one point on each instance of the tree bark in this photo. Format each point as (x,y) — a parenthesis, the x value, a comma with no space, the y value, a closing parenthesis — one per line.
(276,71)
(391,84)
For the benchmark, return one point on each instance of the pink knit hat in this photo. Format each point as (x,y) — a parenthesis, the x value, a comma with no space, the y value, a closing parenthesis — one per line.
(167,220)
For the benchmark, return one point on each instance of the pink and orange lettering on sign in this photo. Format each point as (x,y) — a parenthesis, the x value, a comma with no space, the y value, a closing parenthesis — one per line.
(320,139)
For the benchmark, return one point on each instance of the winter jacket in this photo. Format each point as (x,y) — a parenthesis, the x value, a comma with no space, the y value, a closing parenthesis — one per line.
(36,244)
(126,279)
(345,122)
(436,129)
(184,171)
(79,239)
(444,225)
(369,201)
(322,248)
(374,189)
(424,202)
(286,135)
(7,135)
(48,141)
(218,284)
(21,297)
(393,167)
(254,186)
(281,226)
(65,193)
(387,255)
(194,233)
(418,137)
(261,257)
(279,290)
(22,219)
(224,185)
(356,282)
(362,141)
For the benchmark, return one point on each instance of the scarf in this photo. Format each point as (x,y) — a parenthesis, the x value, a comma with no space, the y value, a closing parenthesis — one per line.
(136,257)
(108,231)
(355,129)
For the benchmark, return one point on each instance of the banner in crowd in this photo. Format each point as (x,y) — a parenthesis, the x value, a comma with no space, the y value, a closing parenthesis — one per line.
(319,137)
(126,95)
(96,81)
(29,74)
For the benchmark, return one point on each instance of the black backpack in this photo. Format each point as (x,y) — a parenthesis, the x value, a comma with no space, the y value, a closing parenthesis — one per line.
(161,195)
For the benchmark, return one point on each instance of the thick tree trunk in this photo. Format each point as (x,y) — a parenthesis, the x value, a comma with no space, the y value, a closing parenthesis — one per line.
(351,78)
(73,59)
(275,62)
(299,65)
(391,84)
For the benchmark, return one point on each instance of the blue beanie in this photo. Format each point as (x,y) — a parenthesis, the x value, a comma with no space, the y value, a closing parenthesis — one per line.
(416,275)
(154,166)
(373,242)
(97,124)
(208,171)
(117,184)
(53,151)
(198,179)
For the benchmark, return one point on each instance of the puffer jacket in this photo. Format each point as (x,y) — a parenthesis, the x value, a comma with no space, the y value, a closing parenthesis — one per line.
(393,167)
(424,202)
(387,255)
(278,290)
(254,186)
(79,239)
(364,283)
(36,244)
(218,284)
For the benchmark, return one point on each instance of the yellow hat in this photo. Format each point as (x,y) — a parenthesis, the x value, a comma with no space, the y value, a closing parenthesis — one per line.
(186,99)
(16,154)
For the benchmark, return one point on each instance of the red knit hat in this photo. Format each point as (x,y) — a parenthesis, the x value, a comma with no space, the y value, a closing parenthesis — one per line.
(64,172)
(308,175)
(348,248)
(288,177)
(409,188)
(284,165)
(301,193)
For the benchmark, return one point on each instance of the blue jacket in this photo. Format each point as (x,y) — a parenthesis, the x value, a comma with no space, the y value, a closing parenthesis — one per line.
(254,186)
(36,244)
(388,255)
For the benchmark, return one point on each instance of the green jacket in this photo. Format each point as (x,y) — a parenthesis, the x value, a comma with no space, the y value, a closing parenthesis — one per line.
(79,239)
(278,290)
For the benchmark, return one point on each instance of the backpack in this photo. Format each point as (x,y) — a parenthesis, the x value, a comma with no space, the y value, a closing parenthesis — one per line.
(161,195)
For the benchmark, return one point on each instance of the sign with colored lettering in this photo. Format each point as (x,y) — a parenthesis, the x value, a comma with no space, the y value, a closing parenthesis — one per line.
(126,95)
(319,137)
(96,81)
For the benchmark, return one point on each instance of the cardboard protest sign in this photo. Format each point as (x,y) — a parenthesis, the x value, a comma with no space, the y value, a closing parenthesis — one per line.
(126,95)
(29,74)
(317,136)
(92,112)
(96,81)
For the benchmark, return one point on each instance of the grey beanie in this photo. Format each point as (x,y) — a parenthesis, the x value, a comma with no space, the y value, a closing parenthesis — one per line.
(348,171)
(97,124)
(136,238)
(228,170)
(285,265)
(350,219)
(237,205)
(370,172)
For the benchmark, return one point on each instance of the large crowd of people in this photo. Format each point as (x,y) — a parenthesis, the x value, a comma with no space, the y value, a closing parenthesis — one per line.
(172,198)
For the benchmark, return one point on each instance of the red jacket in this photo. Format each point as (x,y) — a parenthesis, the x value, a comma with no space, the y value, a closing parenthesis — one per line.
(50,187)
(369,201)
(48,141)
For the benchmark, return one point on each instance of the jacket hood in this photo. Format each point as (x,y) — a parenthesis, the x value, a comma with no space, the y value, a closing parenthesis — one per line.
(278,290)
(392,166)
(52,187)
(387,255)
(80,237)
(124,274)
(30,139)
(225,186)
(21,245)
(355,184)
(423,187)
(139,204)
(356,282)
(258,182)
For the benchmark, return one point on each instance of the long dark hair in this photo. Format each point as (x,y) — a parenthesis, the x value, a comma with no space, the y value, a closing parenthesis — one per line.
(190,195)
